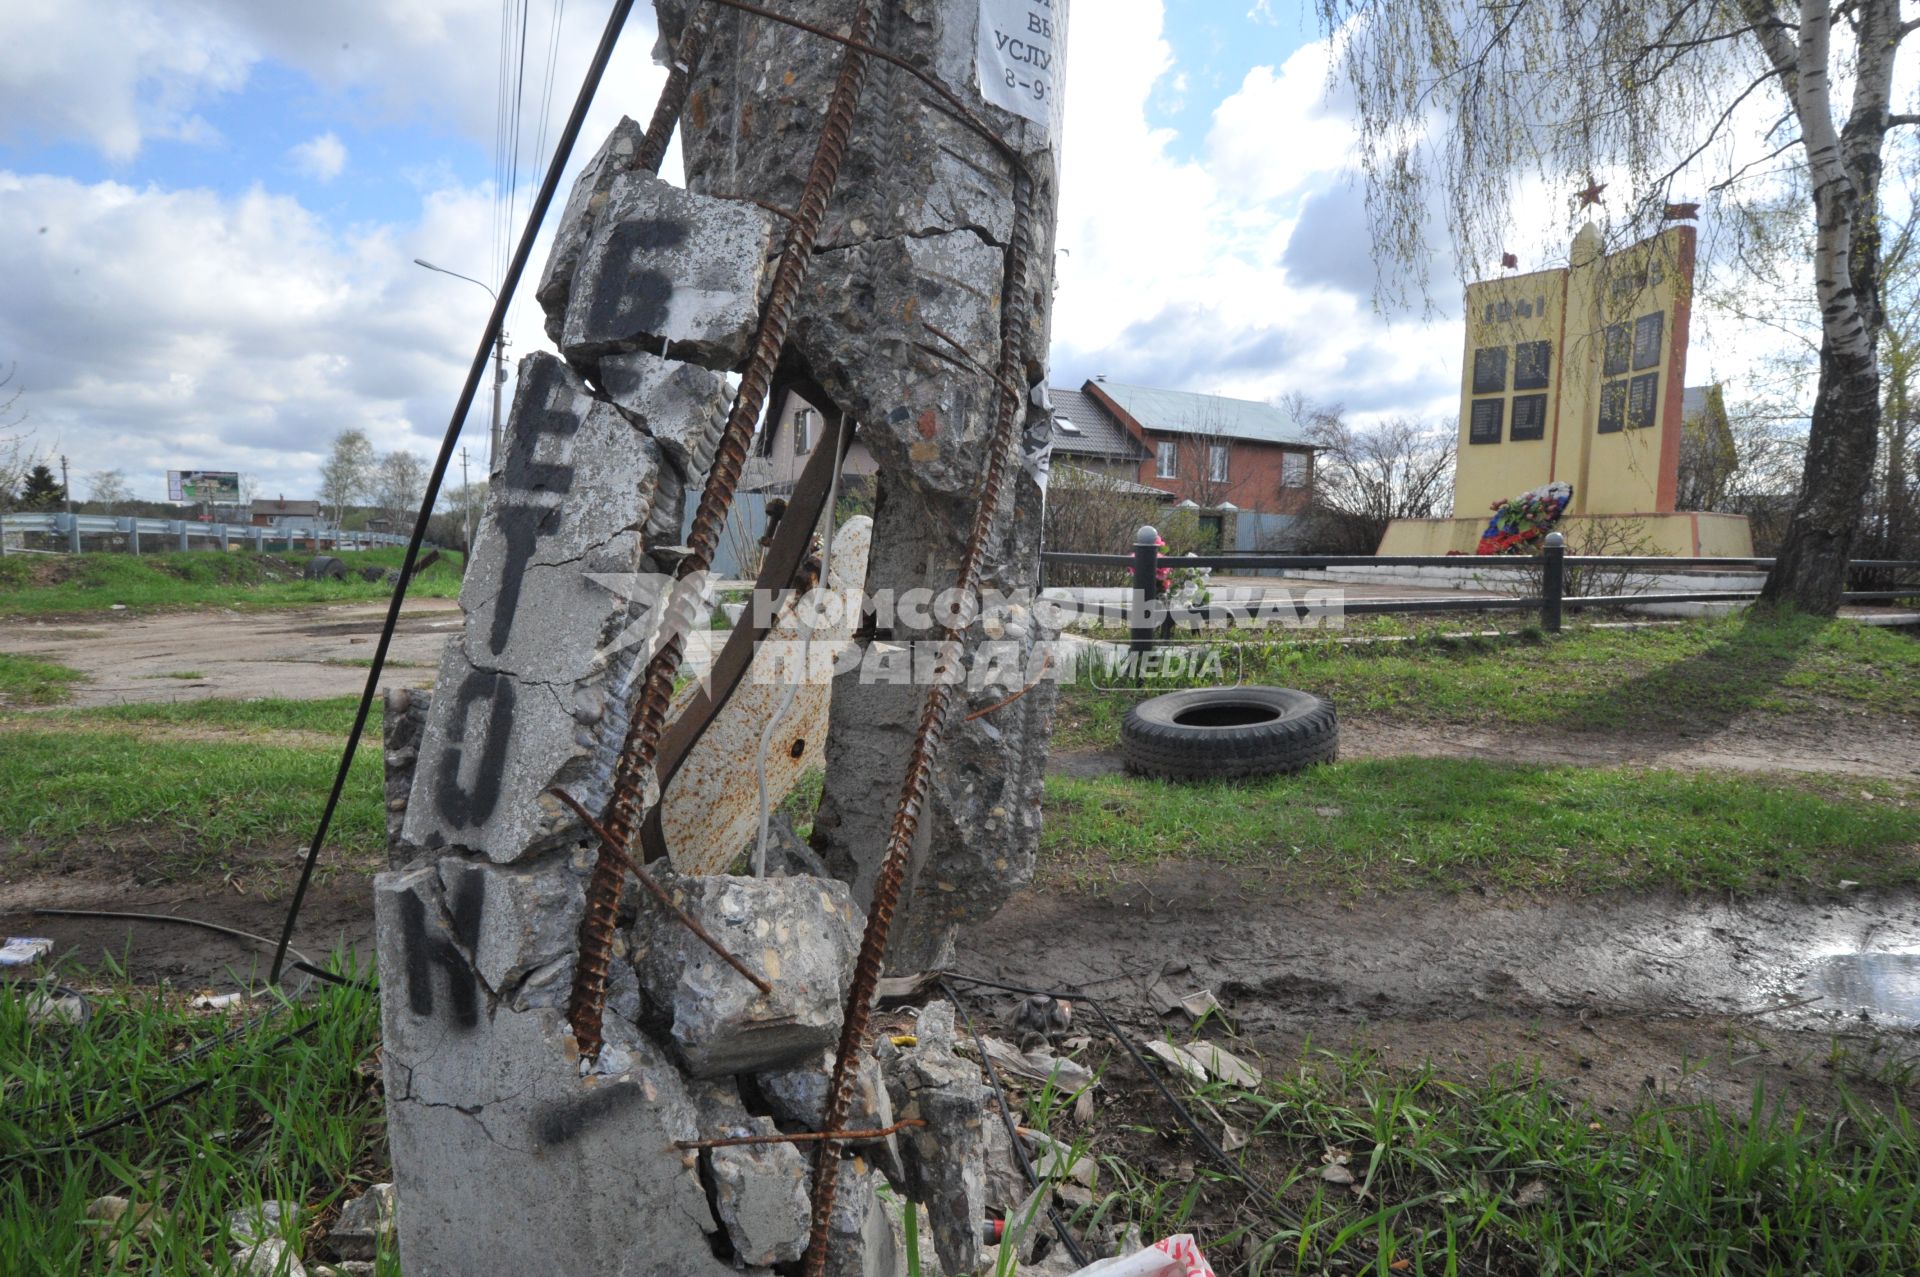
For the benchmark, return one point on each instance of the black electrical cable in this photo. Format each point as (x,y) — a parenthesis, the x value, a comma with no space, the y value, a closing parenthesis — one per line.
(1013,1134)
(304,962)
(134,1112)
(563,150)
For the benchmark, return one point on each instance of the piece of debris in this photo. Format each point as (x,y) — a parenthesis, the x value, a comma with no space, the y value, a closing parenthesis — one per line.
(365,1223)
(260,1221)
(800,933)
(269,1257)
(1042,1020)
(1037,1067)
(1220,1064)
(945,1159)
(1335,1173)
(106,1213)
(24,951)
(56,1006)
(760,1194)
(1178,1060)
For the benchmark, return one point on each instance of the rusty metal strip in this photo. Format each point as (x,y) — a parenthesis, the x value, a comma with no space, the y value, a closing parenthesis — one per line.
(1015,311)
(673,95)
(587,1002)
(791,541)
(610,849)
(807,1137)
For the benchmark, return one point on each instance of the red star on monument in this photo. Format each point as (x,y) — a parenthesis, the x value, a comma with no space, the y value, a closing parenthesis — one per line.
(1591,196)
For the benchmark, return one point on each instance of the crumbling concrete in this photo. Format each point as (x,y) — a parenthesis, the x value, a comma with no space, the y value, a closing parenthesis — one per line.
(760,1193)
(914,242)
(511,1153)
(800,934)
(365,1224)
(481,1097)
(946,1158)
(669,271)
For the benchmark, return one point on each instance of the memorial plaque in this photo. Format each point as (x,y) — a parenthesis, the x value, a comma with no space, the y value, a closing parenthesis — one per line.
(1643,401)
(1529,418)
(1488,416)
(1489,370)
(1619,349)
(1532,362)
(1613,407)
(1646,340)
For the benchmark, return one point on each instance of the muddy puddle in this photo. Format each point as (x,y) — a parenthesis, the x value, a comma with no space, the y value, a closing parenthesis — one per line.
(1792,962)
(1876,985)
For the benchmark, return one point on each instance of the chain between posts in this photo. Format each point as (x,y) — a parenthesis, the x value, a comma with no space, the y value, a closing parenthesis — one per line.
(1015,316)
(632,774)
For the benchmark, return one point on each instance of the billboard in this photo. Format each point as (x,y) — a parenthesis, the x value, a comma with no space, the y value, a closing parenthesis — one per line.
(203,485)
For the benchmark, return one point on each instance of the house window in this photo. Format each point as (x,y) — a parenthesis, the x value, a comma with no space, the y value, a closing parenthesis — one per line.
(1293,470)
(1167,458)
(1217,463)
(803,432)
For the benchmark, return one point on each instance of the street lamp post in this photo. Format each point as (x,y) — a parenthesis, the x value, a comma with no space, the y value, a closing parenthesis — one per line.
(499,361)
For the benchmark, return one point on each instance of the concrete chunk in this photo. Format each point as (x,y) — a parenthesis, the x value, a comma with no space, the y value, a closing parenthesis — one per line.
(528,922)
(615,156)
(671,272)
(867,1239)
(365,1224)
(946,1158)
(800,934)
(683,407)
(760,1191)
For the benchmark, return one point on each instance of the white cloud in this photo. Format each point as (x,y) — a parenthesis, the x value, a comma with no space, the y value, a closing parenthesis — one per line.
(1216,272)
(320,158)
(228,333)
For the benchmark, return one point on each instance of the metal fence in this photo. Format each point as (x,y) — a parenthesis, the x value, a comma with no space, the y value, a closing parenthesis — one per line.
(69,533)
(1146,614)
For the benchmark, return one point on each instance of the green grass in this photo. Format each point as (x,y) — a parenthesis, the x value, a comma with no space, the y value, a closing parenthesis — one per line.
(123,777)
(25,680)
(44,586)
(294,1119)
(1682,678)
(1449,823)
(1505,1176)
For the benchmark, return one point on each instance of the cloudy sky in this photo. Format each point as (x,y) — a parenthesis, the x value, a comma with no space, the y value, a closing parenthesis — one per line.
(209,211)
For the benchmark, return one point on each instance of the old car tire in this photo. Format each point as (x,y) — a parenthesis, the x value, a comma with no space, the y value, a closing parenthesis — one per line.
(1218,733)
(324,567)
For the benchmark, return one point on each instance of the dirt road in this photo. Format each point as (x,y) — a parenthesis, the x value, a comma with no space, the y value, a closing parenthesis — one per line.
(298,653)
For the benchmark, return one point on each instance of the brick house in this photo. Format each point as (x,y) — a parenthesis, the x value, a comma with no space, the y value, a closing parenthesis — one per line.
(1247,467)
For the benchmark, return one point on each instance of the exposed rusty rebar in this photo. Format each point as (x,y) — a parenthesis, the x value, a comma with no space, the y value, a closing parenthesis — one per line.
(806,1137)
(1015,316)
(673,95)
(626,809)
(627,864)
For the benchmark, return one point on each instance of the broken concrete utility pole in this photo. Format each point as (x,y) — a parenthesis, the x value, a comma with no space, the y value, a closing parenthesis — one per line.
(587,1077)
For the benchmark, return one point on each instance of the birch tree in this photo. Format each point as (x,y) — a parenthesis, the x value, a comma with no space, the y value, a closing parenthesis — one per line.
(1636,96)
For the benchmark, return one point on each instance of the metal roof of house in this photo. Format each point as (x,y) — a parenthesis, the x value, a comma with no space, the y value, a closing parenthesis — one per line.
(1096,432)
(1083,477)
(1181,412)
